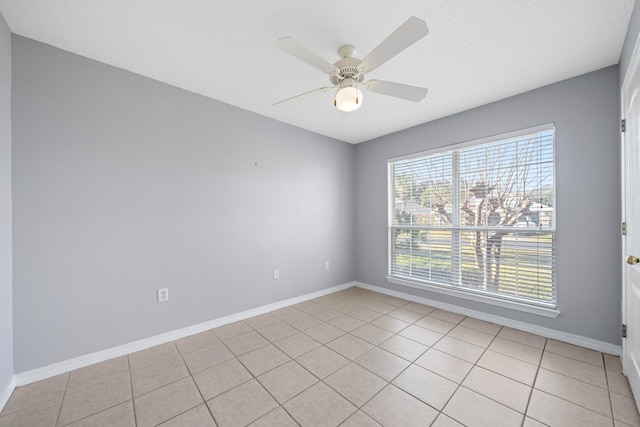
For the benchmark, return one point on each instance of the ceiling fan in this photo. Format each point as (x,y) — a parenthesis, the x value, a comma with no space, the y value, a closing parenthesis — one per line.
(347,74)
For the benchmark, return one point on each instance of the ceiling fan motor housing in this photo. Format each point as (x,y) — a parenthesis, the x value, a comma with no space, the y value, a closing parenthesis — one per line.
(347,68)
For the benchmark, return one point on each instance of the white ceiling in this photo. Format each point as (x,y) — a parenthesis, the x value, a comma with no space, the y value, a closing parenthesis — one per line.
(476,52)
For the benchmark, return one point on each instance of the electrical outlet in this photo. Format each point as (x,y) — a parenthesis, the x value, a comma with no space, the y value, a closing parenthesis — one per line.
(163,295)
(326,265)
(276,274)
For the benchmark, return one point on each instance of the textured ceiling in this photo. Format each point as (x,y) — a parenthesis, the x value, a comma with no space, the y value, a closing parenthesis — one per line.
(476,51)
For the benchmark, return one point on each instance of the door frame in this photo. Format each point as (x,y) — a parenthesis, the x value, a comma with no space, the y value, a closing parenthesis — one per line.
(632,67)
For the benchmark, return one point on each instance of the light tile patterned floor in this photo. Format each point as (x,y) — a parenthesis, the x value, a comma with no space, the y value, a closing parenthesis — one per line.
(352,358)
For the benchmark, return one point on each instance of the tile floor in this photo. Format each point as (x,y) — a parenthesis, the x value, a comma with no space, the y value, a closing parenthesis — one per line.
(352,358)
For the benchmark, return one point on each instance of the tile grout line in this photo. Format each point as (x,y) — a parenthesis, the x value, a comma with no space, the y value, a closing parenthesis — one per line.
(319,380)
(465,377)
(533,384)
(133,403)
(280,405)
(253,377)
(94,413)
(358,408)
(606,376)
(165,385)
(388,383)
(235,357)
(496,373)
(459,323)
(204,402)
(64,392)
(573,379)
(607,390)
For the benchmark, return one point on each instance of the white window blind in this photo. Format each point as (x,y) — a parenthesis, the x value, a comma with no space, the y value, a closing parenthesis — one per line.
(479,217)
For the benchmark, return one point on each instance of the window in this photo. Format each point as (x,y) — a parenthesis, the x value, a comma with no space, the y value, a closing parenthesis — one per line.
(477,217)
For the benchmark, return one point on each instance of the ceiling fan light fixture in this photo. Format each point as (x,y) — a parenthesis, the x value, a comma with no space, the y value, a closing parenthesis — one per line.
(348,98)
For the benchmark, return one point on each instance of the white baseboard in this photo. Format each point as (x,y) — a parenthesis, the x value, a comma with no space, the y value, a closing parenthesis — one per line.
(579,340)
(5,394)
(110,353)
(100,356)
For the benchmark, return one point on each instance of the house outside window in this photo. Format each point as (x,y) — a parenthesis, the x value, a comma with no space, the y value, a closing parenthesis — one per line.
(477,217)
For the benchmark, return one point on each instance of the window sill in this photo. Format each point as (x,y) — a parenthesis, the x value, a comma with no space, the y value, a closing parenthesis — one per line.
(512,305)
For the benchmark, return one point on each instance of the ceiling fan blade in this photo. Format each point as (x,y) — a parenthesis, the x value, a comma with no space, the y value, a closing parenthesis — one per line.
(303,95)
(292,47)
(398,90)
(407,34)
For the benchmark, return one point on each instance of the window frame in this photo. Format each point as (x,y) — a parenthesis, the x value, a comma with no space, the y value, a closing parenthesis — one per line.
(535,307)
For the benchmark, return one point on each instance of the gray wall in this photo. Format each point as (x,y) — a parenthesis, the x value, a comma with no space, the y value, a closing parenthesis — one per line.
(123,185)
(585,110)
(6,329)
